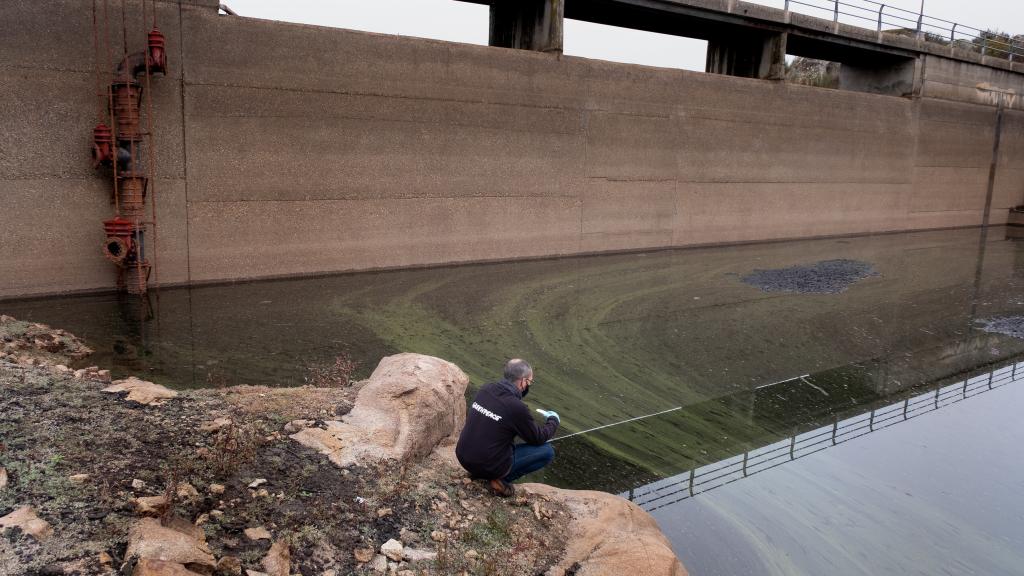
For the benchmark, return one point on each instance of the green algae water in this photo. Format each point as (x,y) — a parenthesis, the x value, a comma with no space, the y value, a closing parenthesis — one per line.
(747,383)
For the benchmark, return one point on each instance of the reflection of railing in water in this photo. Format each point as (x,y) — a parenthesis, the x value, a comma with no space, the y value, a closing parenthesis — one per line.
(701,479)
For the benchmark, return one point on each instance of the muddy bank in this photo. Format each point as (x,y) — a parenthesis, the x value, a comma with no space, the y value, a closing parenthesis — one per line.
(225,481)
(825,277)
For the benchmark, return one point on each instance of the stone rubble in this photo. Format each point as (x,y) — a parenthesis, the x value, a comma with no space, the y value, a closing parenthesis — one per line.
(141,391)
(229,565)
(379,563)
(363,555)
(392,549)
(257,533)
(187,492)
(215,425)
(26,519)
(150,505)
(277,562)
(148,539)
(154,567)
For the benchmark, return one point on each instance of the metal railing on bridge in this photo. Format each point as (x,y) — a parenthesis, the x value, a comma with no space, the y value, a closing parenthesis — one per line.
(704,478)
(945,32)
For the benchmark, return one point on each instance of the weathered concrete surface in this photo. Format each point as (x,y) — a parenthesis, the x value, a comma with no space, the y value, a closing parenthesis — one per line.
(286,149)
(949,79)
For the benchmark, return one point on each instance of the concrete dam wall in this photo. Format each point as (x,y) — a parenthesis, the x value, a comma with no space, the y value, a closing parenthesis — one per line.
(284,150)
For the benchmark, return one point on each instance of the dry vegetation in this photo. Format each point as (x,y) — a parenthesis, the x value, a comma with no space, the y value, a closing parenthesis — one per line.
(214,463)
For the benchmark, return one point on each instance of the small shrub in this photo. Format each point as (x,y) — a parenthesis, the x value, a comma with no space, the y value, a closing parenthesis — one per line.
(337,375)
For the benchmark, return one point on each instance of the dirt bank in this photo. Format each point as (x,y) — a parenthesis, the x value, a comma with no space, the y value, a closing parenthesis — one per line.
(213,482)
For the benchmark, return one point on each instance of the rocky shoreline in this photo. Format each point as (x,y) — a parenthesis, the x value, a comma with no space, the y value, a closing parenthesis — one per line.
(128,477)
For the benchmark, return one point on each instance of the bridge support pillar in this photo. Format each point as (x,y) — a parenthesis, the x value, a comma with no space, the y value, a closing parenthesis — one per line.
(748,55)
(528,24)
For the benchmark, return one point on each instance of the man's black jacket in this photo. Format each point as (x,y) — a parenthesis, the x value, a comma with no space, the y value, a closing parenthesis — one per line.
(496,416)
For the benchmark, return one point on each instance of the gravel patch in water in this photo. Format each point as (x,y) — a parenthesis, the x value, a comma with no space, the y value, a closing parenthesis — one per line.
(1009,326)
(825,277)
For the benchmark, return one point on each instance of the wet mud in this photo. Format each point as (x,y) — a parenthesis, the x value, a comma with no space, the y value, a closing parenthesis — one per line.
(825,277)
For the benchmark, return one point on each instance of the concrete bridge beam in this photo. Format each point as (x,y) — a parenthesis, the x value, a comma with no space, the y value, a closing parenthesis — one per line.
(749,55)
(528,24)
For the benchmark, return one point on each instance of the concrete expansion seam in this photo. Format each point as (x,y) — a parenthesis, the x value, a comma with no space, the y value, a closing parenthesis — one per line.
(379,94)
(580,199)
(184,145)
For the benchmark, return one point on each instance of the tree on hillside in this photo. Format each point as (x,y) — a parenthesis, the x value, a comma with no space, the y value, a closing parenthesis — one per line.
(999,44)
(811,72)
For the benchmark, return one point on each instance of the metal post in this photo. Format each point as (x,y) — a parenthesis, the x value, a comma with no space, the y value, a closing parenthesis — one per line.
(871,422)
(835,13)
(965,385)
(989,380)
(937,397)
(906,404)
(692,471)
(920,21)
(880,17)
(745,455)
(952,33)
(792,446)
(835,428)
(984,45)
(787,6)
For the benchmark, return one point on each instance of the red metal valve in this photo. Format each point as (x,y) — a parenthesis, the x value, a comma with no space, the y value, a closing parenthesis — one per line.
(157,52)
(102,146)
(118,227)
(118,245)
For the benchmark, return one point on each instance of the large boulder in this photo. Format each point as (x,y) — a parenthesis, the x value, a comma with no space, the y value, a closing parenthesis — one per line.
(410,405)
(609,536)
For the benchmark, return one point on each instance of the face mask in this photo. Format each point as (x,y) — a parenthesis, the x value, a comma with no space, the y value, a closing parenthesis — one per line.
(526,390)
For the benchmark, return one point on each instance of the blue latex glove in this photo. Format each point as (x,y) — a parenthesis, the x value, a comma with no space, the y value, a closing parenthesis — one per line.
(549,414)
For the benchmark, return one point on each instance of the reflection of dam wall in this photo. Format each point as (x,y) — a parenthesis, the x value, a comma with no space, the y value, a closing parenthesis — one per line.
(919,305)
(285,149)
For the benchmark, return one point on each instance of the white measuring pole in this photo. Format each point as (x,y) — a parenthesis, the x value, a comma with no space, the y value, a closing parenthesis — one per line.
(616,424)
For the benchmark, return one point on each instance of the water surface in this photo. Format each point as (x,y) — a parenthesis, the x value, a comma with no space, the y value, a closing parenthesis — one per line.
(623,336)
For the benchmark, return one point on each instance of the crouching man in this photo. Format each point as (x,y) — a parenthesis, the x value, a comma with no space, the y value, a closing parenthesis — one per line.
(486,447)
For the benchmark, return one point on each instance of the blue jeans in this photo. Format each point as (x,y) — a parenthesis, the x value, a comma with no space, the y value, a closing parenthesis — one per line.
(527,458)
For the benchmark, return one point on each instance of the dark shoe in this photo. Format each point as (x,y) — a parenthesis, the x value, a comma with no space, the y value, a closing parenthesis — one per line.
(502,488)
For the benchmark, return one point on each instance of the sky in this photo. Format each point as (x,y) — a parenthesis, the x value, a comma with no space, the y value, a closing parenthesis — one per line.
(464,22)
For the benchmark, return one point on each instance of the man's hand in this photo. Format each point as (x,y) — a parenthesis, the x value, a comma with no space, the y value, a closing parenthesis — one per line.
(549,414)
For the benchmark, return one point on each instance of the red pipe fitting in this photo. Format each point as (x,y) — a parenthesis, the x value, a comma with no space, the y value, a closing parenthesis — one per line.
(127,94)
(135,277)
(102,146)
(118,244)
(132,194)
(157,52)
